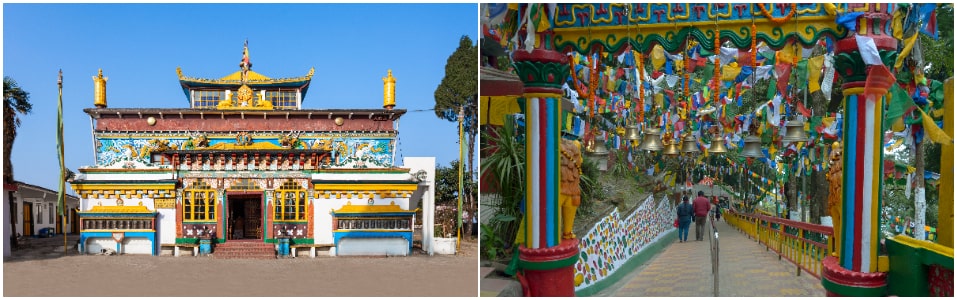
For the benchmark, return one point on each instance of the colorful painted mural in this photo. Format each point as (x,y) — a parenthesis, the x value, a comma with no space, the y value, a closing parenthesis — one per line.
(615,240)
(349,152)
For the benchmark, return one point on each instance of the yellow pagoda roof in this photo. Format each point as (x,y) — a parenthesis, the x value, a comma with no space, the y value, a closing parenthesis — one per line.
(252,79)
(349,208)
(239,76)
(119,209)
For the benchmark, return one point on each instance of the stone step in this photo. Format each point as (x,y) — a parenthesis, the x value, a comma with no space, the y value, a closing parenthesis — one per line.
(244,256)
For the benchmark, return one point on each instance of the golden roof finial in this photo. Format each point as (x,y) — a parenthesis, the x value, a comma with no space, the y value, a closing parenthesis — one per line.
(99,90)
(388,94)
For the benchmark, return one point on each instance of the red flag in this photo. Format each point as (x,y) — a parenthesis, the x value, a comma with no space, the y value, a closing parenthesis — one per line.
(803,110)
(783,72)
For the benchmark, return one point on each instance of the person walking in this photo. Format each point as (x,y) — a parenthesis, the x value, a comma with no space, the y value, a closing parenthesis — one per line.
(701,207)
(685,211)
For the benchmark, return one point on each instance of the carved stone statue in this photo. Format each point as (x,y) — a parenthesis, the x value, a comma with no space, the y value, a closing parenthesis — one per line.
(570,189)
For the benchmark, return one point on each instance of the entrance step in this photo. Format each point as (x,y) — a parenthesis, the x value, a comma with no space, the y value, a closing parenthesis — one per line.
(244,250)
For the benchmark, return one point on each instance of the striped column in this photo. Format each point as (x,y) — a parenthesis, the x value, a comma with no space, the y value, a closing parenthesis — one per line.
(542,72)
(854,272)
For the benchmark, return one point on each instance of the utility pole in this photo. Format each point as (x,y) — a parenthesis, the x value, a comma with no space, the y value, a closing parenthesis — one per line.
(458,240)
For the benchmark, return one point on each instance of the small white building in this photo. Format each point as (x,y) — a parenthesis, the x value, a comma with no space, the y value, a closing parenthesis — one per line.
(36,209)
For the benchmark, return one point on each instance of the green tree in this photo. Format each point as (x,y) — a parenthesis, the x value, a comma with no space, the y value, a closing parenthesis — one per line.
(16,101)
(447,187)
(457,92)
(459,89)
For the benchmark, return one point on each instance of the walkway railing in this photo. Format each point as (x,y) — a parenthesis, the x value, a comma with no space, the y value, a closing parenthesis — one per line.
(803,244)
(713,239)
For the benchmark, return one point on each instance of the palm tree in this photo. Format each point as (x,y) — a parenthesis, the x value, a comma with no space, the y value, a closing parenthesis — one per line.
(16,101)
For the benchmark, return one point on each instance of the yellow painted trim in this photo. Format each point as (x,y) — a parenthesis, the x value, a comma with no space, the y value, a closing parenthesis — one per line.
(883,263)
(122,186)
(542,95)
(117,230)
(385,187)
(369,170)
(936,248)
(853,91)
(391,208)
(119,209)
(945,208)
(254,146)
(373,230)
(102,170)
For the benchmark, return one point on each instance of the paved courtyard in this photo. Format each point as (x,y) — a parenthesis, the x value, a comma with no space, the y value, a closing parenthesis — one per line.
(41,270)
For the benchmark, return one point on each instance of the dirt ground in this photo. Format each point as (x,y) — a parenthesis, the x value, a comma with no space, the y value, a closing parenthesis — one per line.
(41,270)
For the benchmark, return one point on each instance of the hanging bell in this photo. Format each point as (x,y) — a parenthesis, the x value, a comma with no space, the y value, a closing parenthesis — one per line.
(795,132)
(752,147)
(652,141)
(597,147)
(717,145)
(690,145)
(631,133)
(671,149)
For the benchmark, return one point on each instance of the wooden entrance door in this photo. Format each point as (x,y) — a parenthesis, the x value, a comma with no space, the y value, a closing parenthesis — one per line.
(27,219)
(245,217)
(74,222)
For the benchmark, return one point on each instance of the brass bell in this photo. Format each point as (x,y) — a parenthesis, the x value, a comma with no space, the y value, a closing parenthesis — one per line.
(752,147)
(795,132)
(671,149)
(717,145)
(597,148)
(631,133)
(652,141)
(690,144)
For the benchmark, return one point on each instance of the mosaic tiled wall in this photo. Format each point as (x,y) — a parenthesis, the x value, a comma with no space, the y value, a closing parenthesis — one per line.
(348,151)
(615,240)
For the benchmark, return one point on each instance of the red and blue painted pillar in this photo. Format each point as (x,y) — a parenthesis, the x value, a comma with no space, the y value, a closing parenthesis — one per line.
(854,269)
(546,259)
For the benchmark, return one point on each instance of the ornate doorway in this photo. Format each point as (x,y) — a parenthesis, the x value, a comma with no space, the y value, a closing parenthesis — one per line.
(245,216)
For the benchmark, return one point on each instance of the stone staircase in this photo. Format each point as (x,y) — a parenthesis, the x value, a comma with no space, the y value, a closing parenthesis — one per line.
(251,249)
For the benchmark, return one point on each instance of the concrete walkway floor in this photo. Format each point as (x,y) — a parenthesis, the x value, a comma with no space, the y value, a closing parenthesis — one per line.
(747,269)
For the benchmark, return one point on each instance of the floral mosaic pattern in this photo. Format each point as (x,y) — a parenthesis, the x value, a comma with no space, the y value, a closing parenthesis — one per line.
(358,152)
(613,241)
(349,152)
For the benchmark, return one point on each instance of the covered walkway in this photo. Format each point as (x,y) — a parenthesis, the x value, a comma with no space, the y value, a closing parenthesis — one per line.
(747,269)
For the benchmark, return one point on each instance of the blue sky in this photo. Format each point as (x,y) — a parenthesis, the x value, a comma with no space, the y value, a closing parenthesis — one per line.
(139,46)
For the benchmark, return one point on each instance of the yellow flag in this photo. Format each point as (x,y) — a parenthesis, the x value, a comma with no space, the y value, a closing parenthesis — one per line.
(908,45)
(657,57)
(730,71)
(935,133)
(814,66)
(897,25)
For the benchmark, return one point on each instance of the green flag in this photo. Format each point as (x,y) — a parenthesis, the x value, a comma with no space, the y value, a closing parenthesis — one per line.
(59,144)
(900,102)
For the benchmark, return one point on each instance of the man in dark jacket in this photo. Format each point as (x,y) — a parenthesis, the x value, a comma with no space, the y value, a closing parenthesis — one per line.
(701,208)
(684,219)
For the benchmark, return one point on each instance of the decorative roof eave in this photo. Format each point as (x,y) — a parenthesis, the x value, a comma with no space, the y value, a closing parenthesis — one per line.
(256,81)
(171,113)
(350,209)
(132,210)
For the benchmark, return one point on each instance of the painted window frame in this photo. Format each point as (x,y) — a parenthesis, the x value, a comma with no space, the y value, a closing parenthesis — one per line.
(207,207)
(289,202)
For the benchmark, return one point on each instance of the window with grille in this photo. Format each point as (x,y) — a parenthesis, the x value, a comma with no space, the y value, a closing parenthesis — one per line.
(290,202)
(199,202)
(282,99)
(207,99)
